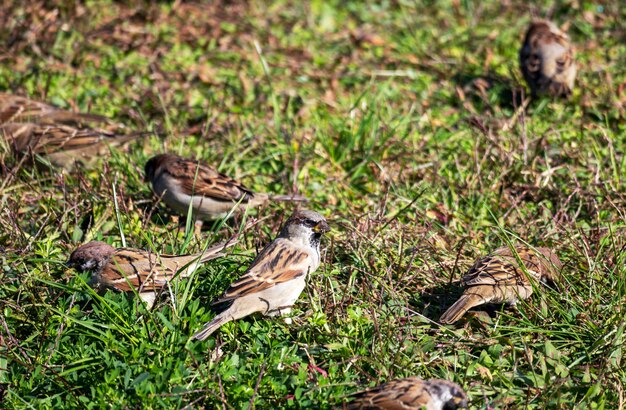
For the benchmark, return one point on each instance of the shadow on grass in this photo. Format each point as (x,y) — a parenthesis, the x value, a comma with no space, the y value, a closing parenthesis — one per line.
(490,89)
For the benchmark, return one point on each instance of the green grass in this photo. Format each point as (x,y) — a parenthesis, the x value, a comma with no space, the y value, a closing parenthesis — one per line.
(376,113)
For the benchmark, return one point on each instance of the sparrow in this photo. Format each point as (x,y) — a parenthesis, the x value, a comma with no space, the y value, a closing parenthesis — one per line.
(62,145)
(182,181)
(547,60)
(411,393)
(499,278)
(34,128)
(277,276)
(136,270)
(18,109)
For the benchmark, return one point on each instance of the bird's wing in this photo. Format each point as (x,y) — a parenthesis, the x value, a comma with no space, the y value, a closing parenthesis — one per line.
(403,394)
(130,269)
(279,262)
(491,270)
(201,180)
(47,139)
(503,268)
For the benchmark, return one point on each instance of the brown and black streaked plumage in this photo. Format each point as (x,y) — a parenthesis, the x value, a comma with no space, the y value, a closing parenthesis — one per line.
(62,137)
(62,145)
(547,60)
(277,276)
(410,393)
(136,270)
(18,109)
(182,182)
(499,278)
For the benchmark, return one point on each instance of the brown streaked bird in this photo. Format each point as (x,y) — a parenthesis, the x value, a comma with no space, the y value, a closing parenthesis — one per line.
(18,109)
(411,393)
(62,145)
(499,278)
(182,181)
(136,270)
(34,128)
(277,276)
(547,60)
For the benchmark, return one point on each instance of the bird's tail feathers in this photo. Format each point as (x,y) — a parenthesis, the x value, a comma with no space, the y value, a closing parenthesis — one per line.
(289,198)
(216,250)
(211,327)
(460,307)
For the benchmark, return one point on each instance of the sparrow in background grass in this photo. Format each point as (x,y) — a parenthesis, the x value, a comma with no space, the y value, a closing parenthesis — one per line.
(547,60)
(277,276)
(17,109)
(499,278)
(411,393)
(135,270)
(34,128)
(212,195)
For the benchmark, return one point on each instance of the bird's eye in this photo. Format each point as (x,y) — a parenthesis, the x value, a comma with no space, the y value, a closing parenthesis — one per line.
(309,223)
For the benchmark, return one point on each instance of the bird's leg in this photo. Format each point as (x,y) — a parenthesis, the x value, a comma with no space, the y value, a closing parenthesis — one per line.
(282,311)
(197,228)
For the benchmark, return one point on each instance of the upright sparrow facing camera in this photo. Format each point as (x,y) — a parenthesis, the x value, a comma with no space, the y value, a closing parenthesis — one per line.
(277,277)
(135,270)
(182,182)
(63,137)
(411,393)
(499,278)
(547,60)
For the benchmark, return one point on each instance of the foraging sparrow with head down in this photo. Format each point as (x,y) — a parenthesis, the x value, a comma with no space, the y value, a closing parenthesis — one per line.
(499,278)
(277,276)
(411,393)
(212,195)
(63,137)
(547,60)
(135,270)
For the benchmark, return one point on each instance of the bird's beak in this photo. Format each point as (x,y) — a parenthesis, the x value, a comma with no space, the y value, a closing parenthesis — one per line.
(321,227)
(462,403)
